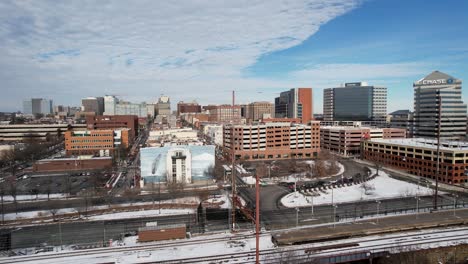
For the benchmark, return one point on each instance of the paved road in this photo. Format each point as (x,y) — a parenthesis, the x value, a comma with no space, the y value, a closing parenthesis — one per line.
(88,231)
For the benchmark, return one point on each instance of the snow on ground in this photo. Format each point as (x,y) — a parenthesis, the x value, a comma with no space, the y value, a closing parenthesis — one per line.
(385,187)
(145,213)
(201,247)
(46,213)
(27,197)
(224,199)
(34,214)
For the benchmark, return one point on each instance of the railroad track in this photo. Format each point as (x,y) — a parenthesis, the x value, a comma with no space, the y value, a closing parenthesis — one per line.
(21,259)
(307,254)
(301,252)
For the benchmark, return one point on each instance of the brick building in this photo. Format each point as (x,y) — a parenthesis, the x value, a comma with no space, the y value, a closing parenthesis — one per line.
(96,142)
(259,110)
(347,140)
(418,156)
(272,141)
(226,114)
(193,107)
(114,122)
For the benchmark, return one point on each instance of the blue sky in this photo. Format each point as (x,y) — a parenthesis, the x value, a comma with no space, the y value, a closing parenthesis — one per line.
(200,50)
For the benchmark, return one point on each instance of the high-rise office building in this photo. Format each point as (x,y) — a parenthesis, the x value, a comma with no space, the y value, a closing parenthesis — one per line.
(355,102)
(295,103)
(37,106)
(93,104)
(428,92)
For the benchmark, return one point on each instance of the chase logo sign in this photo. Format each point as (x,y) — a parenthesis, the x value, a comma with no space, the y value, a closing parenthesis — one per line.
(439,81)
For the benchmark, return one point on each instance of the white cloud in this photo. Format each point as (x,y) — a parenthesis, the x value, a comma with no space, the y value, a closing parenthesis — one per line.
(71,49)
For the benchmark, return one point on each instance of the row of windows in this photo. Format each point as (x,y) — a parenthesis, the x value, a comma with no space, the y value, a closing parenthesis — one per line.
(92,147)
(91,140)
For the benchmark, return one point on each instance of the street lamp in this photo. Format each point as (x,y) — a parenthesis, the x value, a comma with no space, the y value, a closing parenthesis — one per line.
(417,205)
(334,215)
(455,204)
(311,204)
(297,216)
(378,208)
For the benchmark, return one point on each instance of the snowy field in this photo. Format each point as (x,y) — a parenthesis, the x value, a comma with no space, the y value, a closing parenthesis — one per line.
(384,188)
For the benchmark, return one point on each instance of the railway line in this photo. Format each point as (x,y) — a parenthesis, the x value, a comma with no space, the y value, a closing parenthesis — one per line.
(363,246)
(119,249)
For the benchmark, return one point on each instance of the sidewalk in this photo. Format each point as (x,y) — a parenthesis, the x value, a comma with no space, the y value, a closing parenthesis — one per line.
(373,226)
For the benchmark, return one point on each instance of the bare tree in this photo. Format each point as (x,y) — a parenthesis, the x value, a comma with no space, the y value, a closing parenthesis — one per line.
(292,163)
(320,168)
(85,196)
(333,167)
(2,194)
(368,188)
(67,185)
(175,188)
(108,197)
(53,212)
(48,187)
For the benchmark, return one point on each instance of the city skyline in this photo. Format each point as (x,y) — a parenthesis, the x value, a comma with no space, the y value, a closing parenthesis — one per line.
(67,52)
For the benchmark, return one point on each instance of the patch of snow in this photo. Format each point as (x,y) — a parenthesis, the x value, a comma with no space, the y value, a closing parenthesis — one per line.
(385,187)
(145,213)
(27,197)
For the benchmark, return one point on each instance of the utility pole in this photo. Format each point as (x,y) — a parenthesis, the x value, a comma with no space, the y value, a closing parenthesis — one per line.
(436,193)
(233,170)
(257,219)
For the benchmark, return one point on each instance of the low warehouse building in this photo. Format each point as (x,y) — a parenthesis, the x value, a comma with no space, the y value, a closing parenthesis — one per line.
(82,163)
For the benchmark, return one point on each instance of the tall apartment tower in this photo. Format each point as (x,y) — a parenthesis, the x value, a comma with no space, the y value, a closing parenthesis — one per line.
(356,101)
(295,103)
(427,93)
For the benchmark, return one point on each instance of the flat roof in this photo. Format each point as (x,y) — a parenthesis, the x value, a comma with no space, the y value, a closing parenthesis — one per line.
(424,143)
(73,159)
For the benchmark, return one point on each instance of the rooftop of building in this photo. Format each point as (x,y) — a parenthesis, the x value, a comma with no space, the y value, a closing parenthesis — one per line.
(424,143)
(84,157)
(355,128)
(401,112)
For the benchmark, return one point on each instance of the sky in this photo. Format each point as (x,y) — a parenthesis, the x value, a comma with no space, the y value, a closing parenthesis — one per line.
(202,50)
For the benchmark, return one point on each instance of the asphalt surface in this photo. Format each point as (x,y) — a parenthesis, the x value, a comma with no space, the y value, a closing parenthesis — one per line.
(92,232)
